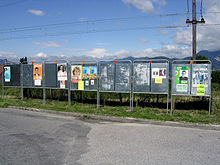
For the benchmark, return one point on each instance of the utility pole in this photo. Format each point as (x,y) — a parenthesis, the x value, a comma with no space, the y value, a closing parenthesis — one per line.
(194,23)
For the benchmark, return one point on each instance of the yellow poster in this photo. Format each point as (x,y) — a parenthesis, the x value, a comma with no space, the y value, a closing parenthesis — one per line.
(80,85)
(158,80)
(37,72)
(201,89)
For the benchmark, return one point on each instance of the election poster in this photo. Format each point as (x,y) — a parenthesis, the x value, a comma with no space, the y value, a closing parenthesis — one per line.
(93,74)
(37,74)
(86,72)
(200,76)
(76,73)
(62,84)
(200,90)
(159,74)
(182,78)
(7,73)
(62,72)
(81,85)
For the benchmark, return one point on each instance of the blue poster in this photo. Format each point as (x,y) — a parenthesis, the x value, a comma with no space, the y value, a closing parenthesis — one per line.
(93,72)
(86,72)
(7,73)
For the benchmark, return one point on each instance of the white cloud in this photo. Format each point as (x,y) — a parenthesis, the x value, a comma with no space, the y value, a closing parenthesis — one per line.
(101,43)
(6,53)
(97,53)
(164,32)
(82,19)
(208,37)
(36,12)
(171,51)
(142,40)
(41,55)
(48,44)
(146,6)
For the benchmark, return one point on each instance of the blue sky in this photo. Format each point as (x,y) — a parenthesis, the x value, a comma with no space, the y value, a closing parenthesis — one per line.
(91,41)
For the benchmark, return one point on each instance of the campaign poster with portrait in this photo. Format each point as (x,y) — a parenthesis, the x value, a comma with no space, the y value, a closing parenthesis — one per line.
(93,72)
(201,79)
(7,73)
(182,78)
(62,72)
(76,73)
(159,73)
(200,76)
(37,72)
(86,72)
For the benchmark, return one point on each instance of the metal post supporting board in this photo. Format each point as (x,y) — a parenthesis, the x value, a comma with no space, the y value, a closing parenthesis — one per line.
(3,72)
(151,77)
(21,82)
(193,81)
(84,82)
(115,76)
(44,89)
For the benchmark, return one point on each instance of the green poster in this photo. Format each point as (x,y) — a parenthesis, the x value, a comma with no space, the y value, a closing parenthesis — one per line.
(200,90)
(182,78)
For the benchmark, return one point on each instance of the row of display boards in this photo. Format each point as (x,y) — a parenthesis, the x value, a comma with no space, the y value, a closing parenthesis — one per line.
(124,76)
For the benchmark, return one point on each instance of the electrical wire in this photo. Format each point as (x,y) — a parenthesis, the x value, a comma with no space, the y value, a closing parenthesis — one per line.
(91,31)
(13,3)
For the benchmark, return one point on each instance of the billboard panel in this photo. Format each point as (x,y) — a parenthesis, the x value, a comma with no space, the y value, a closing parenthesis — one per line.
(123,77)
(159,77)
(201,79)
(141,72)
(84,77)
(107,77)
(181,76)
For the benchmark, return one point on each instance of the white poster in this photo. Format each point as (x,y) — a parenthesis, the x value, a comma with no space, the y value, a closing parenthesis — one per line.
(62,84)
(62,72)
(92,82)
(159,72)
(37,82)
(87,82)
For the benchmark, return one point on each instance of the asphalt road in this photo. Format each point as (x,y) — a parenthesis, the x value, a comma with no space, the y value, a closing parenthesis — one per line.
(46,139)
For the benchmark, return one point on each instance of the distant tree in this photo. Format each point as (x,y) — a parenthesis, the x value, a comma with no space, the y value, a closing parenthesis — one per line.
(200,57)
(216,76)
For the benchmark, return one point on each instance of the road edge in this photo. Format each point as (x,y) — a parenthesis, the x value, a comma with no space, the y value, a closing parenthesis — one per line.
(87,117)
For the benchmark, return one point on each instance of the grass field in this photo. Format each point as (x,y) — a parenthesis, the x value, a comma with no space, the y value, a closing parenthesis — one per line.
(147,106)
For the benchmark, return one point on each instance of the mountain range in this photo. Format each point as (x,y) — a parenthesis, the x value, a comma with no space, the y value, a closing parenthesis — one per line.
(213,56)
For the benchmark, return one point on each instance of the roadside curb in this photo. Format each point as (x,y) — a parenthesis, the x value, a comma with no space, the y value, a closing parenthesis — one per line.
(88,117)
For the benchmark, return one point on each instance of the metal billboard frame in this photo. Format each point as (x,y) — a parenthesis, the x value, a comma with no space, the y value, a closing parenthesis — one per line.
(101,91)
(191,62)
(3,77)
(44,78)
(78,62)
(161,93)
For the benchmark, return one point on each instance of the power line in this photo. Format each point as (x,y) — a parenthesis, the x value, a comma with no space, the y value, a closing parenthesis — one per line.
(12,3)
(85,22)
(102,30)
(40,27)
(91,31)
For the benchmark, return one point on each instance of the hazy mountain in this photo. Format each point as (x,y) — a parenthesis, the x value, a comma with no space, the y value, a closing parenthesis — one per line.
(214,57)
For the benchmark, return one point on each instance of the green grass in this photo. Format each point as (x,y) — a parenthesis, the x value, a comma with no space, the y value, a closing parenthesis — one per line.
(193,116)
